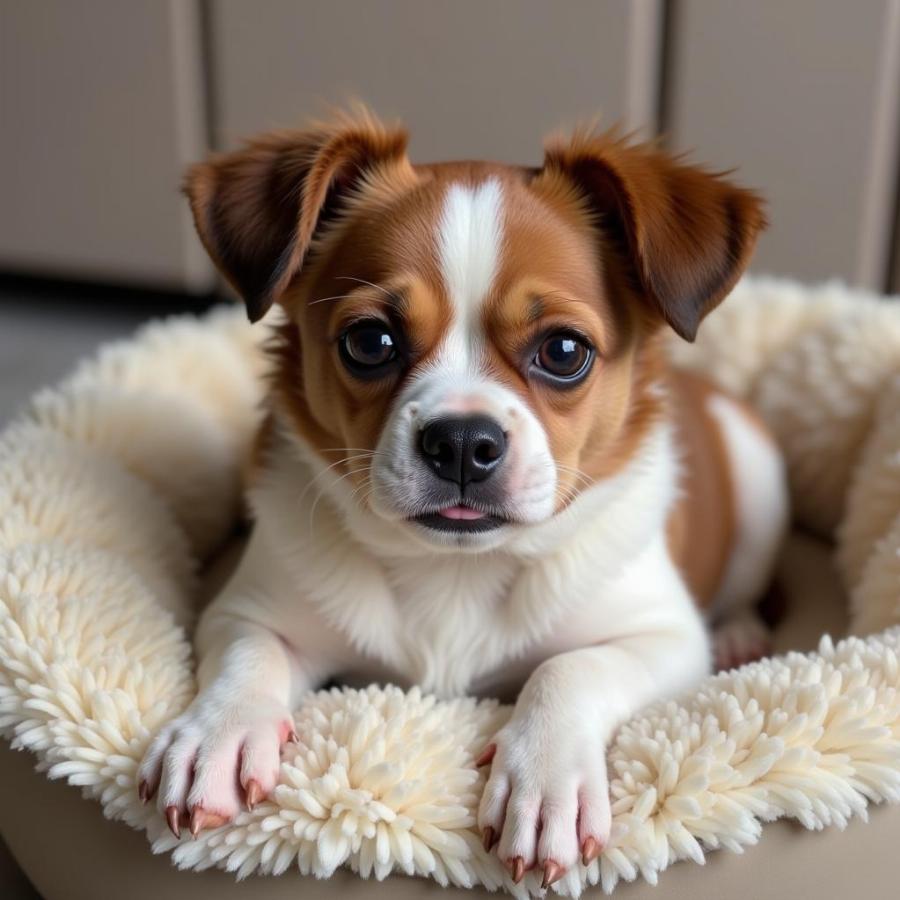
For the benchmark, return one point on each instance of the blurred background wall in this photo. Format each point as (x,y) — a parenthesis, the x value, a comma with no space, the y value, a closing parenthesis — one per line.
(103,103)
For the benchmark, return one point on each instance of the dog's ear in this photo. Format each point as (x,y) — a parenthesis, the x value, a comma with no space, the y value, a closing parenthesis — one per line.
(257,209)
(684,234)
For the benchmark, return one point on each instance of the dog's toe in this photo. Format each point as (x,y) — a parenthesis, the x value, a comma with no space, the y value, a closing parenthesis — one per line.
(212,760)
(550,811)
(518,840)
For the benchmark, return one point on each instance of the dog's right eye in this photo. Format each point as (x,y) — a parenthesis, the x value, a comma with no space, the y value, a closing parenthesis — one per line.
(367,347)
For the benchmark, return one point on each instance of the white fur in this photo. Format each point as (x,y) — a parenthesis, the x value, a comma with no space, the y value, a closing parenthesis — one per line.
(761,506)
(469,237)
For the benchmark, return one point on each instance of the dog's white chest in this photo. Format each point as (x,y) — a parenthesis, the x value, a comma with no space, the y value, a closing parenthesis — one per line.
(362,600)
(443,608)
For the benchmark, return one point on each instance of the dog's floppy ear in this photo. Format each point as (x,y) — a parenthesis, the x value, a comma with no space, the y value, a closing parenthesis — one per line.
(257,209)
(685,234)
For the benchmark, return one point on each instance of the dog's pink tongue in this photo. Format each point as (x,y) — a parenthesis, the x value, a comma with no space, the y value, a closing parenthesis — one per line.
(460,512)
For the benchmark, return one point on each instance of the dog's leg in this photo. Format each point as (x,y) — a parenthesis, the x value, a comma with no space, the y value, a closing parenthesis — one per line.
(547,798)
(224,750)
(762,514)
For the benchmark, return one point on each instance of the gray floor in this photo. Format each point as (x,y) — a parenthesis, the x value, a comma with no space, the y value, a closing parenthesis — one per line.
(43,333)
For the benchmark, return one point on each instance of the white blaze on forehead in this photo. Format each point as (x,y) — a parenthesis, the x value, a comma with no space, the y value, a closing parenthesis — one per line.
(470,233)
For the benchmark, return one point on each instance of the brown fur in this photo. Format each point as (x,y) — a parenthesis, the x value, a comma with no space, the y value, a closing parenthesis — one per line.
(702,524)
(257,210)
(613,239)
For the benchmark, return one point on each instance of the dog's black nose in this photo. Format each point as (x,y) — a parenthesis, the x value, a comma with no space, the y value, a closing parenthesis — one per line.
(463,448)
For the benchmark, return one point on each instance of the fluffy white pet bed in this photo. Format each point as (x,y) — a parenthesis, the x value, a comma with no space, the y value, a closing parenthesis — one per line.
(120,482)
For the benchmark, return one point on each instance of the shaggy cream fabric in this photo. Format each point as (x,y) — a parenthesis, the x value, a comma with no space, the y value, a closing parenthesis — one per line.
(118,483)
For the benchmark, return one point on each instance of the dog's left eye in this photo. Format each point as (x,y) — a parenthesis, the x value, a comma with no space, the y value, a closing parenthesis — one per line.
(565,357)
(368,346)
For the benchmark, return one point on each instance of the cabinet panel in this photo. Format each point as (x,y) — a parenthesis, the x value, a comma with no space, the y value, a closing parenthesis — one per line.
(471,78)
(803,97)
(101,106)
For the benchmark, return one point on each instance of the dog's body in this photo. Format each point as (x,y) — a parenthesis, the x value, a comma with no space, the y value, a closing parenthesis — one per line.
(478,474)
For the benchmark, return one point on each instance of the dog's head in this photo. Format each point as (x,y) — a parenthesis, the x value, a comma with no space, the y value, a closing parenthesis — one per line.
(470,345)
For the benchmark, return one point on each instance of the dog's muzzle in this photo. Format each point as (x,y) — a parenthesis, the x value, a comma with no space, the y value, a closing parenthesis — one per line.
(465,453)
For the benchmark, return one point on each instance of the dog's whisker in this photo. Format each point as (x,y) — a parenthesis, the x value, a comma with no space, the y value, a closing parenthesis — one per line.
(327,299)
(581,484)
(337,481)
(578,480)
(377,287)
(563,467)
(566,493)
(339,462)
(366,485)
(352,450)
(582,476)
(333,465)
(364,499)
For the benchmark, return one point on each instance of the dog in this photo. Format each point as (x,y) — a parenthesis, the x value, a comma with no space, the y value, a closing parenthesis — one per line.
(479,473)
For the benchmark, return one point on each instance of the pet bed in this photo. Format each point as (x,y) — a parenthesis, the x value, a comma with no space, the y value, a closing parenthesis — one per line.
(119,484)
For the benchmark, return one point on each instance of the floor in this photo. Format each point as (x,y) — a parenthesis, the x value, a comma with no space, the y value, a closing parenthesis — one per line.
(45,328)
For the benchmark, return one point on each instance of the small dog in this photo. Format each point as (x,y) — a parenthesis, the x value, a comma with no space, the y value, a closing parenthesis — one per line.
(479,473)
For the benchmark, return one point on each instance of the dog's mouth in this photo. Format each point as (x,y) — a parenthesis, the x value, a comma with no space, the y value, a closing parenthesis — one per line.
(460,519)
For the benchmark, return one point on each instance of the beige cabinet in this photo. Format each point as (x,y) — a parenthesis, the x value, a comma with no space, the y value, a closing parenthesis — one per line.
(101,107)
(104,102)
(472,78)
(804,97)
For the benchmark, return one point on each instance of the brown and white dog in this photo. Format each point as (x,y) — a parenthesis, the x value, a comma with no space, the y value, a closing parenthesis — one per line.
(479,473)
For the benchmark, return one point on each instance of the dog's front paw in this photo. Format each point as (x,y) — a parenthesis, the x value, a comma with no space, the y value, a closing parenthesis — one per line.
(215,756)
(741,638)
(546,802)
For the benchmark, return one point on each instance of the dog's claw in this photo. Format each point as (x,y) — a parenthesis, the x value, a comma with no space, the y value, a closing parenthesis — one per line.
(590,850)
(487,839)
(254,793)
(517,869)
(172,818)
(553,871)
(292,737)
(144,792)
(486,755)
(201,819)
